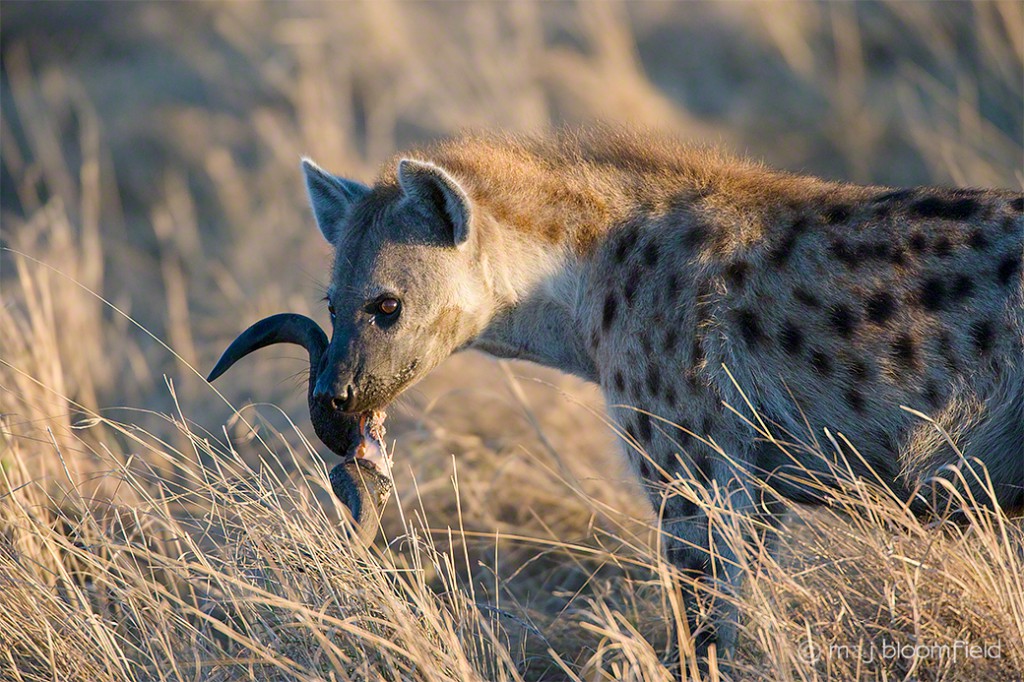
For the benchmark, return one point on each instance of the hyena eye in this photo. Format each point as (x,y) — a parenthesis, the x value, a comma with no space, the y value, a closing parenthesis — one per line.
(388,306)
(330,309)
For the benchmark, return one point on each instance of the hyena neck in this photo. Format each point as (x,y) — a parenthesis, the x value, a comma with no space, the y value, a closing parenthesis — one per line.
(535,314)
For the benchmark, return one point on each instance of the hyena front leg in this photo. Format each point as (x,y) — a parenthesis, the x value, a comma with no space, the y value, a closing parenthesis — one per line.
(712,551)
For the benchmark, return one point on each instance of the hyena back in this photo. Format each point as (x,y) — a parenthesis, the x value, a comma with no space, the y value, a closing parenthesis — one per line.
(681,281)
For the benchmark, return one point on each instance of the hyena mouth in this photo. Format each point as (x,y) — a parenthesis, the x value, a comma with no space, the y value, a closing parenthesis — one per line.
(363,479)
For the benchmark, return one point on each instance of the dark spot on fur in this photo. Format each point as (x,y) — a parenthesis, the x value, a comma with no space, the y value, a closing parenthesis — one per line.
(646,346)
(888,442)
(784,249)
(702,467)
(707,425)
(1010,225)
(670,395)
(696,236)
(897,255)
(631,433)
(843,253)
(860,371)
(608,314)
(736,272)
(837,214)
(933,394)
(948,353)
(875,251)
(671,338)
(636,388)
(904,350)
(644,466)
(643,425)
(629,290)
(806,297)
(595,340)
(918,242)
(983,332)
(947,209)
(697,352)
(822,365)
(703,297)
(791,338)
(651,254)
(978,240)
(620,382)
(881,307)
(621,249)
(933,294)
(673,287)
(653,381)
(856,400)
(961,288)
(943,247)
(844,320)
(750,327)
(691,562)
(1007,269)
(1018,204)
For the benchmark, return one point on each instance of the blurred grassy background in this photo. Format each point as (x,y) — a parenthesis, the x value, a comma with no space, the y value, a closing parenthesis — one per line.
(150,153)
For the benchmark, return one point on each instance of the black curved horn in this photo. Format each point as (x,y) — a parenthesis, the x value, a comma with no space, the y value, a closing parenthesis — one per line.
(359,485)
(281,328)
(339,432)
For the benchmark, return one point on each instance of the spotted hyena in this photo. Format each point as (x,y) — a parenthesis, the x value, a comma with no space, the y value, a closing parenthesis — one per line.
(675,278)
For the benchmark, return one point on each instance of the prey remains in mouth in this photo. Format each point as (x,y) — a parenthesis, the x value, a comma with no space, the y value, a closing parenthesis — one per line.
(372,450)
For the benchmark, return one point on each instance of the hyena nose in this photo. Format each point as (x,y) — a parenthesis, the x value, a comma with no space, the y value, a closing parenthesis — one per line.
(345,402)
(340,401)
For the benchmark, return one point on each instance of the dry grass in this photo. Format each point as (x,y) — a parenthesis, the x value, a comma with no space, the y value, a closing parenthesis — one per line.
(152,207)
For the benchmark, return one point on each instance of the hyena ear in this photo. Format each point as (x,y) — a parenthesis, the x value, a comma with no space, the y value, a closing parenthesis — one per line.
(330,196)
(438,192)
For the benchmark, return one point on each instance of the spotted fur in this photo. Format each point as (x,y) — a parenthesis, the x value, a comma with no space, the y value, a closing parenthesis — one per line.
(650,267)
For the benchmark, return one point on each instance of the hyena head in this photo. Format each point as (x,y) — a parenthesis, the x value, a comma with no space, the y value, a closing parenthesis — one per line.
(406,288)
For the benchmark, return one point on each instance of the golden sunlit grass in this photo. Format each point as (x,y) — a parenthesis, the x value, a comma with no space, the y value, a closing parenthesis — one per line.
(151,531)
